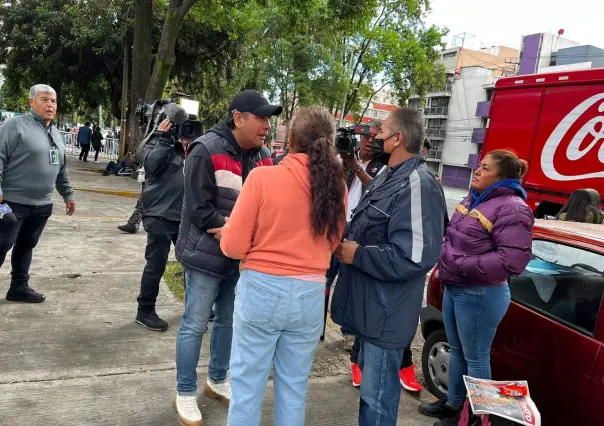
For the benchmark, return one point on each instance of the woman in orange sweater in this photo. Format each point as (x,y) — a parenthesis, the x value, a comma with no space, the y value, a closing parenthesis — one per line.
(286,224)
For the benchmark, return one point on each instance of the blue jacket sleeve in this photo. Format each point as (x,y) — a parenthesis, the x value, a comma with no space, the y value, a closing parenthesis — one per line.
(415,233)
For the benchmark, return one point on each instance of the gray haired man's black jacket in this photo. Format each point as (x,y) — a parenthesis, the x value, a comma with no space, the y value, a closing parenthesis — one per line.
(398,224)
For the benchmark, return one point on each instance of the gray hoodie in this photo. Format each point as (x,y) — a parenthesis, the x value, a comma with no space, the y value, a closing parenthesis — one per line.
(26,173)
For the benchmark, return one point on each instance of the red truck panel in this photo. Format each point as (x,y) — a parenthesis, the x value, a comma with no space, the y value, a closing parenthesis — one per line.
(556,123)
(567,153)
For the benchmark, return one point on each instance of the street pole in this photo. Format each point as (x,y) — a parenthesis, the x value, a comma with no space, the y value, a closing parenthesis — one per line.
(124,101)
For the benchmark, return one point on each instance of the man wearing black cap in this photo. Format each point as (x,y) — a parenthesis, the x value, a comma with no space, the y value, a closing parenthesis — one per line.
(216,167)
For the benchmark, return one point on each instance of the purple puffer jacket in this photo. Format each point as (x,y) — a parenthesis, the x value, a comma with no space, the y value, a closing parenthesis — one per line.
(486,246)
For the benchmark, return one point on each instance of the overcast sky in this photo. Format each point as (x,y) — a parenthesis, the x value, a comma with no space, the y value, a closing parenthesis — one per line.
(504,22)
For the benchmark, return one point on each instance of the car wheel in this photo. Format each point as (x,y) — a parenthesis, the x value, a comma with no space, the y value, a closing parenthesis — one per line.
(435,363)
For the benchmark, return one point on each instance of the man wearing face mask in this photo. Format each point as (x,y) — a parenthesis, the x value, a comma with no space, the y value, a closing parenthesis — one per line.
(217,165)
(393,240)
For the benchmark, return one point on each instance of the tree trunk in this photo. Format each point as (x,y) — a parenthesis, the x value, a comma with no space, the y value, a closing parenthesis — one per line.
(164,61)
(141,63)
(124,114)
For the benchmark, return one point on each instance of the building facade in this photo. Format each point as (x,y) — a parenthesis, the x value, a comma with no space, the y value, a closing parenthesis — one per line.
(455,117)
(545,52)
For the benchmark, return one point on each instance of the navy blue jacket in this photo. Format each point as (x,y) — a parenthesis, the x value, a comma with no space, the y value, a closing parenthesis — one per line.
(399,226)
(84,135)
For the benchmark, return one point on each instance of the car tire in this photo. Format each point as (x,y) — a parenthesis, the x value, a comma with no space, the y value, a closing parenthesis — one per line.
(435,363)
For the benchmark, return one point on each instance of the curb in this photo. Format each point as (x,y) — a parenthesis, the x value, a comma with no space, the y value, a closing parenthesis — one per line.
(129,194)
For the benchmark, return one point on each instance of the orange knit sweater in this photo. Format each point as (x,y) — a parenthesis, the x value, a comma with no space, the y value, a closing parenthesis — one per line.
(269,228)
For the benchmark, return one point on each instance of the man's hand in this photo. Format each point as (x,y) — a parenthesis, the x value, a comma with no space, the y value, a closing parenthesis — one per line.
(345,252)
(165,125)
(217,232)
(0,199)
(350,162)
(70,207)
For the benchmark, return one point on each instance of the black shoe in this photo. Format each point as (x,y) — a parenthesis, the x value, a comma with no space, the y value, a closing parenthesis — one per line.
(438,409)
(24,294)
(128,228)
(450,421)
(151,321)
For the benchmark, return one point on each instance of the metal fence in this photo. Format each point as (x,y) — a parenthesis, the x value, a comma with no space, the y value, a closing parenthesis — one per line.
(109,151)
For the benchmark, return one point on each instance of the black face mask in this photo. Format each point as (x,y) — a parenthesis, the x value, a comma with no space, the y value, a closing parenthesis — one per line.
(378,151)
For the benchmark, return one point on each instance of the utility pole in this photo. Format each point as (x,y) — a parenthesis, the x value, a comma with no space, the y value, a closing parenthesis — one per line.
(124,120)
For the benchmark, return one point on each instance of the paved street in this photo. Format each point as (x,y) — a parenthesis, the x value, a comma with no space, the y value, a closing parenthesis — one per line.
(453,196)
(79,358)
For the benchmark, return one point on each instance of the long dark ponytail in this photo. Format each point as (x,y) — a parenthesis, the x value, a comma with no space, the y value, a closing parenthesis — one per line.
(313,130)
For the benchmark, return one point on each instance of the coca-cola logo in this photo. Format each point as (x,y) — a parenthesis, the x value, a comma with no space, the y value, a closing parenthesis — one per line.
(592,130)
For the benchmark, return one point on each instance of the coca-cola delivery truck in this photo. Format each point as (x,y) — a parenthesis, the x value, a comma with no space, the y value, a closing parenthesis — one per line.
(556,123)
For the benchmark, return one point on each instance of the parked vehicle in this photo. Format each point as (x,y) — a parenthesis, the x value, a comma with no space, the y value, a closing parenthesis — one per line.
(553,333)
(555,122)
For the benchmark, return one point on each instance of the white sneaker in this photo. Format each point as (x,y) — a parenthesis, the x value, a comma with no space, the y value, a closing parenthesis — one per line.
(187,410)
(96,162)
(221,391)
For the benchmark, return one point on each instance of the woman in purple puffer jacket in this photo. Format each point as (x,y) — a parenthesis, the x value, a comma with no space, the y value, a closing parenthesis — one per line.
(488,240)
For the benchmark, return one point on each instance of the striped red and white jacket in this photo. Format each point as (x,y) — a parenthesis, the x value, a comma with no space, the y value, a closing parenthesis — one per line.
(215,170)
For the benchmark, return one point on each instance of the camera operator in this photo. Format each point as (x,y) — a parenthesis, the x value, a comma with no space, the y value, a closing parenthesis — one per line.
(359,174)
(393,240)
(162,197)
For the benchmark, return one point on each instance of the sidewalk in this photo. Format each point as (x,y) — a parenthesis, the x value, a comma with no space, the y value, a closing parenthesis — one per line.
(79,358)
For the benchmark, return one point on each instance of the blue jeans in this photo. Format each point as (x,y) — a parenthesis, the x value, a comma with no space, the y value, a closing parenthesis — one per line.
(201,292)
(380,387)
(278,321)
(471,316)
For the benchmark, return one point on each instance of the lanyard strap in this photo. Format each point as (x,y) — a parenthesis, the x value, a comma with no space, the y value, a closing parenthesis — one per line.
(51,140)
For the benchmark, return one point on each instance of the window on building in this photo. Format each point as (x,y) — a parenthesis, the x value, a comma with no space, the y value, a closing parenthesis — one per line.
(436,150)
(490,94)
(564,283)
(440,102)
(413,103)
(449,55)
(382,115)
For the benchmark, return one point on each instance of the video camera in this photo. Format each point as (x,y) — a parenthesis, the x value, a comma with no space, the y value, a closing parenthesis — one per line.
(346,142)
(182,112)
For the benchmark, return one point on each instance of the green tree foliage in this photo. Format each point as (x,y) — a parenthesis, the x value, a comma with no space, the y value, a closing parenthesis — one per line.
(335,53)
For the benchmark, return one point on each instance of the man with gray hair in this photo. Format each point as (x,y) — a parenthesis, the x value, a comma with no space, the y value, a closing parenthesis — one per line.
(393,240)
(32,164)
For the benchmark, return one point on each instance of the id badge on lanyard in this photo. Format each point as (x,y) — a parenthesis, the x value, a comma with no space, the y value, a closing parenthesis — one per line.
(54,156)
(53,152)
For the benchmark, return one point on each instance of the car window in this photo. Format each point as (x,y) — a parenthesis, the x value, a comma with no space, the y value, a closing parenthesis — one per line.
(562,282)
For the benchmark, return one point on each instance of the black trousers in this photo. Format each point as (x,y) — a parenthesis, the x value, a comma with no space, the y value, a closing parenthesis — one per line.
(96,153)
(356,347)
(160,235)
(84,151)
(136,216)
(22,237)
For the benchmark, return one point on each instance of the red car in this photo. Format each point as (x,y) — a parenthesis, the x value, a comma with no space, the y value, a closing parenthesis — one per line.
(553,332)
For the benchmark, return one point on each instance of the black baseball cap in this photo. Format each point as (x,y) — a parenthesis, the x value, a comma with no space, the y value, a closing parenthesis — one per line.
(253,101)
